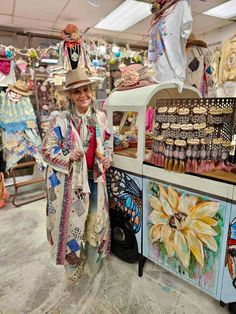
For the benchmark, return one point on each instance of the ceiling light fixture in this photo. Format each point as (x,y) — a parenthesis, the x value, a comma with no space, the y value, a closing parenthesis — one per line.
(127,14)
(225,10)
(48,60)
(95,3)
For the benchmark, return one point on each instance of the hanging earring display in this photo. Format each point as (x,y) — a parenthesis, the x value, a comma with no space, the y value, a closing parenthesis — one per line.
(193,135)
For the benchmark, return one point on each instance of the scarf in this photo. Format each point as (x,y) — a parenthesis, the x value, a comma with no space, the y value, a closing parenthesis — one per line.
(84,122)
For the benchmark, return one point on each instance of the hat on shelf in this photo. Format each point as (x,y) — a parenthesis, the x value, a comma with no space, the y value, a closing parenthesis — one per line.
(192,40)
(135,76)
(70,33)
(20,87)
(77,78)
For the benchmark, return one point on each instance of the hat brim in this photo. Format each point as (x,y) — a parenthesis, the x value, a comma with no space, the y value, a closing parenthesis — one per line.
(196,42)
(67,89)
(12,88)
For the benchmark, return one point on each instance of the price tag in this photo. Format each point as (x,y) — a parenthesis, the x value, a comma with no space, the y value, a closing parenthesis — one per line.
(30,124)
(58,80)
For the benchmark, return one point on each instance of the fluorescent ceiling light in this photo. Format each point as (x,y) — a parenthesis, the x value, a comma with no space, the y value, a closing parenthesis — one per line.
(127,14)
(226,10)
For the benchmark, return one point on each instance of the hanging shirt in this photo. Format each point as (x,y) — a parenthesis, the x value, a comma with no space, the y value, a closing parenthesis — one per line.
(10,78)
(199,70)
(167,44)
(227,71)
(16,116)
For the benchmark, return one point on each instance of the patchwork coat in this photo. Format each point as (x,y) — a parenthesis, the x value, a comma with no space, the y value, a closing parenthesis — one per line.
(68,190)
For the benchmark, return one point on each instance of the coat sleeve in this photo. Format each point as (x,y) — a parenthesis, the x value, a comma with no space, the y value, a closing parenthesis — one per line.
(54,149)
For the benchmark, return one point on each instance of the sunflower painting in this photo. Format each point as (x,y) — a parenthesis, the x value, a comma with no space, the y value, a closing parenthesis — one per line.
(185,228)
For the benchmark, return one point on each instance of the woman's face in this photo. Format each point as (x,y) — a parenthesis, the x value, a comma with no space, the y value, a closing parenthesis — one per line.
(81,97)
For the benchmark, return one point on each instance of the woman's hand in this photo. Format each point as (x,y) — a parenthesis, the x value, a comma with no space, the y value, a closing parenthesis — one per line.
(105,162)
(76,154)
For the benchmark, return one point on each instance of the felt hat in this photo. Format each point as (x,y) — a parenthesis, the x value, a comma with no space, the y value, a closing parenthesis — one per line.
(70,33)
(192,40)
(77,78)
(20,87)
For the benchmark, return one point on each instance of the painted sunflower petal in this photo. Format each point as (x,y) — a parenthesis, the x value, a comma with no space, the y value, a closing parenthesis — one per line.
(155,232)
(183,204)
(165,233)
(170,248)
(195,246)
(210,221)
(162,191)
(155,203)
(201,227)
(209,241)
(204,209)
(173,198)
(192,200)
(158,218)
(181,248)
(166,206)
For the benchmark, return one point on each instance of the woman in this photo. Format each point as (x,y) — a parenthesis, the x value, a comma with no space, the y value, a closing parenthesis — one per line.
(78,153)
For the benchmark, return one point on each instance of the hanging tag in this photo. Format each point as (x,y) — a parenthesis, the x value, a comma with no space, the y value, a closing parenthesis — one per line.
(58,80)
(30,124)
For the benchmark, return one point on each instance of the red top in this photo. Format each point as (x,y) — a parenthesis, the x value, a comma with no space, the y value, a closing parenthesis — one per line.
(90,155)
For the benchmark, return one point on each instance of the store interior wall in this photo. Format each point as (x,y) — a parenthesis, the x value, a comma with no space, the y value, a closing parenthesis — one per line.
(219,35)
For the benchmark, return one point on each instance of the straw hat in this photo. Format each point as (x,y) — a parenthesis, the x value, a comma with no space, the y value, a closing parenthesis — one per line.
(77,78)
(20,87)
(192,40)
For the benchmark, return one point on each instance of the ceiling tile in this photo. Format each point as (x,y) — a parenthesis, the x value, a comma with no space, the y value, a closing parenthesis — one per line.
(58,27)
(32,24)
(5,20)
(203,23)
(39,8)
(202,6)
(118,37)
(86,15)
(6,7)
(142,27)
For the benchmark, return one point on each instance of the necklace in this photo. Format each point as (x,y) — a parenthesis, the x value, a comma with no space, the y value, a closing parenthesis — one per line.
(73,54)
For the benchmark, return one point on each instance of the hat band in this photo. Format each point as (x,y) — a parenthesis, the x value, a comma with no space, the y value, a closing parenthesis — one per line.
(77,82)
(21,90)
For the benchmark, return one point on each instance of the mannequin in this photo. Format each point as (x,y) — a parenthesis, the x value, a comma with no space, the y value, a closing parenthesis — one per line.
(20,134)
(71,50)
(170,29)
(199,70)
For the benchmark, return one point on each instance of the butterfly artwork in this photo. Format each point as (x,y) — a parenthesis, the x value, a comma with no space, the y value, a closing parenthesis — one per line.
(125,195)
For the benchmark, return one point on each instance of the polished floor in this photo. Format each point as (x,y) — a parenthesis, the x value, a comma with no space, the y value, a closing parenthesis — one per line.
(30,283)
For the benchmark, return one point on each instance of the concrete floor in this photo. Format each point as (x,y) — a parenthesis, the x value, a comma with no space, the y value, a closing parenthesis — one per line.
(30,283)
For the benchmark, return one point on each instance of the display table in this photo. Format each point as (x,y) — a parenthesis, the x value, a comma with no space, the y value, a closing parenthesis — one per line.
(186,223)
